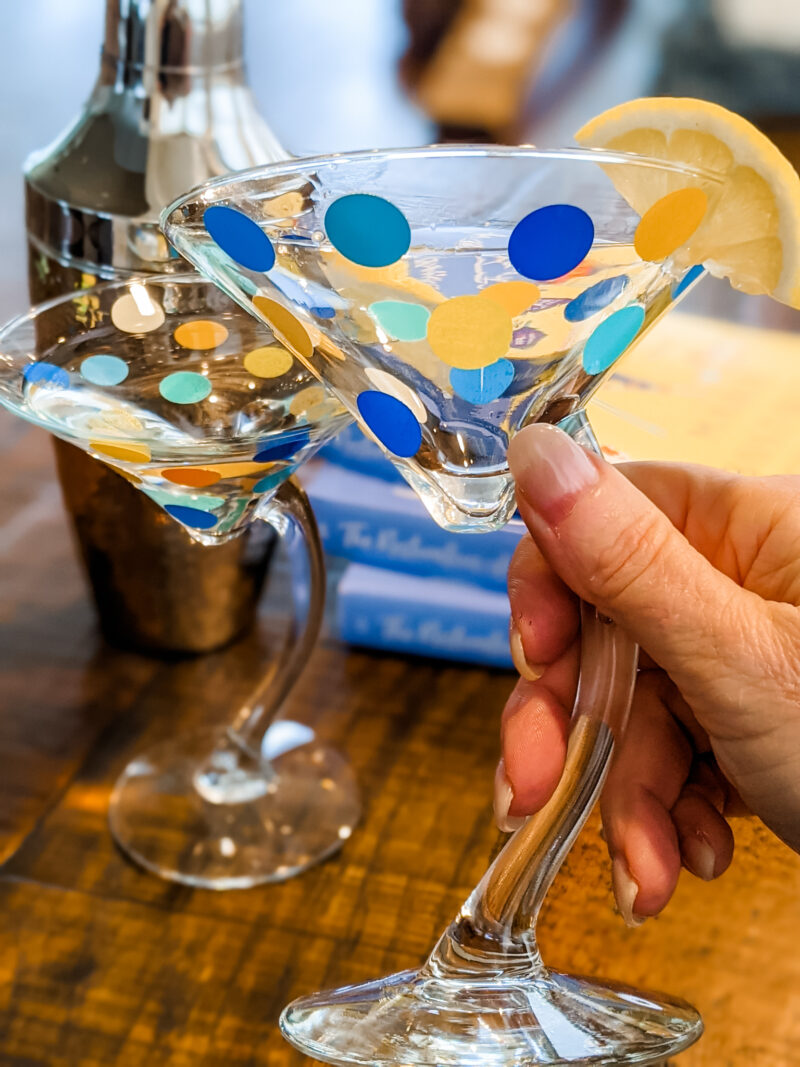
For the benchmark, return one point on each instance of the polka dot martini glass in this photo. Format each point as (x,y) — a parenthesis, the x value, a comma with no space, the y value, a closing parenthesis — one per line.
(204,410)
(449,296)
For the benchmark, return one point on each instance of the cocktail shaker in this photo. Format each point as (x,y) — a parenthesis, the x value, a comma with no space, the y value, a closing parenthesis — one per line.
(170,109)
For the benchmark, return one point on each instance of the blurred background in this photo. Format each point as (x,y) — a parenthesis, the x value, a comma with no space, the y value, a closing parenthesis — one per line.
(348,74)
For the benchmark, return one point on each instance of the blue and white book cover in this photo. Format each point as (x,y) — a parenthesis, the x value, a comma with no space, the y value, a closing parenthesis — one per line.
(424,616)
(384,524)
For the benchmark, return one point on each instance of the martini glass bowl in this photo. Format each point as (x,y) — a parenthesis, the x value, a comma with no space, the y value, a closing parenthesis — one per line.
(194,402)
(450,296)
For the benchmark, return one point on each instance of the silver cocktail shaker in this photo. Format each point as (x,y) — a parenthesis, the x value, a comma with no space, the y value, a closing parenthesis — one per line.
(171,108)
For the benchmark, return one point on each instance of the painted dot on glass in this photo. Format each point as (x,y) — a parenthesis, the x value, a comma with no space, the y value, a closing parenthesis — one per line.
(269,361)
(302,402)
(243,469)
(595,298)
(610,339)
(550,242)
(104,370)
(401,320)
(44,373)
(367,229)
(200,334)
(484,385)
(269,481)
(387,383)
(669,223)
(688,279)
(240,236)
(184,387)
(515,297)
(285,325)
(282,447)
(128,453)
(469,332)
(394,425)
(195,518)
(136,311)
(191,477)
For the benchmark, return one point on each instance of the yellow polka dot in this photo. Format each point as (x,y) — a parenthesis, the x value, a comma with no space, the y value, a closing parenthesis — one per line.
(469,332)
(128,453)
(124,474)
(200,334)
(306,399)
(286,327)
(514,297)
(669,223)
(269,361)
(284,205)
(136,311)
(240,470)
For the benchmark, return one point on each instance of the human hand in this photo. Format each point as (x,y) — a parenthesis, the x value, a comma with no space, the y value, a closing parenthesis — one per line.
(702,569)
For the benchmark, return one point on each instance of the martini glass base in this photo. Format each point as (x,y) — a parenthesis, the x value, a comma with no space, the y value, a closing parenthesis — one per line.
(539,1019)
(227,821)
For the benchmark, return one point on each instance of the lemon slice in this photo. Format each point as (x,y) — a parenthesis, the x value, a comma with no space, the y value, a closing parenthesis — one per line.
(750,233)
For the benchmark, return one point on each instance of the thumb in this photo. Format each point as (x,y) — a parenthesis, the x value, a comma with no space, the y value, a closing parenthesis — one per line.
(617,550)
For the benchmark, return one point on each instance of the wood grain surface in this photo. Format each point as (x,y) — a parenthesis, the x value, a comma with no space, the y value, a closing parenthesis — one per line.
(102,964)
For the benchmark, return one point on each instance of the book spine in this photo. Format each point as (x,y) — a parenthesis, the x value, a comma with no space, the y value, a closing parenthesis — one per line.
(434,631)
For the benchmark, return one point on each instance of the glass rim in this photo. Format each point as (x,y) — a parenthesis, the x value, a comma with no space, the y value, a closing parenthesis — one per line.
(168,451)
(297,165)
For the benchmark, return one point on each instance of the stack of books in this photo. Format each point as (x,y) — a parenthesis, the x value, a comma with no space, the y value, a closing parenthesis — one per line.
(409,586)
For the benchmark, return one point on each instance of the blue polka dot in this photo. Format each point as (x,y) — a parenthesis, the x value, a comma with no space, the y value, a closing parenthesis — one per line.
(367,230)
(595,298)
(270,481)
(324,312)
(240,236)
(394,424)
(104,370)
(45,374)
(192,517)
(610,339)
(484,385)
(550,241)
(282,447)
(689,277)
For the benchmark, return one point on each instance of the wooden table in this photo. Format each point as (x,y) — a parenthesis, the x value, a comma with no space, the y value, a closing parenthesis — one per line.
(102,964)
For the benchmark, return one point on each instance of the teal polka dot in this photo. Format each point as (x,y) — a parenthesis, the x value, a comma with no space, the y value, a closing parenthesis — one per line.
(270,481)
(367,229)
(184,387)
(401,320)
(205,502)
(104,370)
(610,339)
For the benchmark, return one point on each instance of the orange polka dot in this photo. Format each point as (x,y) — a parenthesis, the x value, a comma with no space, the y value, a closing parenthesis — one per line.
(469,332)
(240,470)
(194,477)
(200,334)
(286,327)
(514,297)
(669,223)
(128,453)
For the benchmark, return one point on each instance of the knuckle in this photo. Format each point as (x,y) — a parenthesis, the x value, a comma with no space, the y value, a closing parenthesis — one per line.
(636,552)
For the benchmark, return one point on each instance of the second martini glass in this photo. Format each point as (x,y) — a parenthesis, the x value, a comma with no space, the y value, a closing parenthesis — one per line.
(198,405)
(451,296)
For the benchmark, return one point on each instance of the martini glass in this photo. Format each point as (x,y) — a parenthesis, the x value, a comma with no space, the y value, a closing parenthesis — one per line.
(450,296)
(198,405)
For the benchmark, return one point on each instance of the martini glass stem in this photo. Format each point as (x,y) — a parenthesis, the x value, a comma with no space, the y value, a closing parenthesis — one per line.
(239,769)
(495,929)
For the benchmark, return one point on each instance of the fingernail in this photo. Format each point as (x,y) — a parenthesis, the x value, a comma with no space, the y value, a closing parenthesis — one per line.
(550,470)
(531,672)
(503,797)
(699,856)
(625,892)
